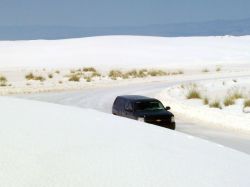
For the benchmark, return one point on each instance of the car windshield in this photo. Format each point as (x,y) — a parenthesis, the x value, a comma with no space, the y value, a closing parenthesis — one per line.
(148,105)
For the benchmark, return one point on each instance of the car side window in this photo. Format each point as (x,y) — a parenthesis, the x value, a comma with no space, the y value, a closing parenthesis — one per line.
(117,102)
(128,106)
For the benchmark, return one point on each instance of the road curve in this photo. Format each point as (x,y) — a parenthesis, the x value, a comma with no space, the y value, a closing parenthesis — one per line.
(102,99)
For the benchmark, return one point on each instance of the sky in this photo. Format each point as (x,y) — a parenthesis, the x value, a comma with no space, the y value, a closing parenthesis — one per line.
(101,13)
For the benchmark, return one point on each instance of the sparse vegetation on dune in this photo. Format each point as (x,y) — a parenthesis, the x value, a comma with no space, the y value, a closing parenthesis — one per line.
(89,69)
(95,74)
(74,78)
(215,104)
(3,81)
(50,75)
(114,74)
(218,69)
(39,78)
(246,103)
(237,94)
(31,76)
(229,100)
(180,72)
(205,70)
(205,101)
(141,73)
(88,79)
(154,73)
(87,73)
(232,96)
(193,94)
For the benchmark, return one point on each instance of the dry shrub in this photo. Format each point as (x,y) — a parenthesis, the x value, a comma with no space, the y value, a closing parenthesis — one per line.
(215,104)
(74,78)
(193,94)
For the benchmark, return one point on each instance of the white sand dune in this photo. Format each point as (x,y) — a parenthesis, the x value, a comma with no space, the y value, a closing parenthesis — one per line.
(127,51)
(51,145)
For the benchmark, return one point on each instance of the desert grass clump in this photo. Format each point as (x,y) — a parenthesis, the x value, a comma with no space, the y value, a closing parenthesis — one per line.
(237,95)
(180,72)
(215,104)
(50,75)
(218,69)
(229,100)
(193,94)
(39,78)
(89,69)
(3,81)
(74,78)
(29,76)
(205,70)
(143,73)
(155,73)
(57,72)
(114,74)
(88,79)
(96,74)
(205,101)
(72,71)
(246,103)
(132,73)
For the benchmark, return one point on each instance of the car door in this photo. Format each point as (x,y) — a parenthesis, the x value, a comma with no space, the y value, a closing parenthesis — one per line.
(128,110)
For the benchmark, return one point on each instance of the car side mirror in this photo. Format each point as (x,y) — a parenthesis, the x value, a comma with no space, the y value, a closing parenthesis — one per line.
(167,108)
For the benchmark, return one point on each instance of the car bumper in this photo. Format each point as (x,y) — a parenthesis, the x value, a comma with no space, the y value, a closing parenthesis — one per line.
(170,125)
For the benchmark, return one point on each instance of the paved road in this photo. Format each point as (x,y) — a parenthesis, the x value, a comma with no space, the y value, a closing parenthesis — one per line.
(102,98)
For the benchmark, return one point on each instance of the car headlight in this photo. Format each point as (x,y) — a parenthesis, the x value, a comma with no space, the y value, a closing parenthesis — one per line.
(140,119)
(172,119)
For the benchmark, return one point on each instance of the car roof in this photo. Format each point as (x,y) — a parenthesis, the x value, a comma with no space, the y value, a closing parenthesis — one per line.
(137,98)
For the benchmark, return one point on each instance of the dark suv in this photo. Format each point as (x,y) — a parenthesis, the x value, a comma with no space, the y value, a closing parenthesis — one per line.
(144,109)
